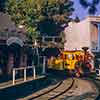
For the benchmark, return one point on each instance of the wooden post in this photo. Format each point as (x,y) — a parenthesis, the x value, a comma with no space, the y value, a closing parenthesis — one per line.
(24,74)
(34,72)
(13,76)
(44,65)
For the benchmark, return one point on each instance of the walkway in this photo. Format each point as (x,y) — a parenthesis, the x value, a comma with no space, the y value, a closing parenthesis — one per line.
(18,82)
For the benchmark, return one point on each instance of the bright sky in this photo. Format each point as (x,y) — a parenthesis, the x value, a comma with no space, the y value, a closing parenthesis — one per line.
(81,12)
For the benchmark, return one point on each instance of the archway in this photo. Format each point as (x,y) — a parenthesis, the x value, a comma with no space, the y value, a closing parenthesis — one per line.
(14,52)
(16,40)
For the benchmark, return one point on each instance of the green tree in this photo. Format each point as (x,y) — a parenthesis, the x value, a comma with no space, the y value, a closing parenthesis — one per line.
(90,5)
(31,12)
(77,19)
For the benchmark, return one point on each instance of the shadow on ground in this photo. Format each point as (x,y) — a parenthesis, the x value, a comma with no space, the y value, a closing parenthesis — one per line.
(19,91)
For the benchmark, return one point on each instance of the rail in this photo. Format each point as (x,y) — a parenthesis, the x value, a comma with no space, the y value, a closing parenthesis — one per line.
(53,90)
(45,39)
(25,72)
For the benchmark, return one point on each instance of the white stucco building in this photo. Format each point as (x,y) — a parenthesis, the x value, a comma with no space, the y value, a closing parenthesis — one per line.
(85,33)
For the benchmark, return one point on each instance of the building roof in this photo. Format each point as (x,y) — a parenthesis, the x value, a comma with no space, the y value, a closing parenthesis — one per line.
(8,28)
(5,22)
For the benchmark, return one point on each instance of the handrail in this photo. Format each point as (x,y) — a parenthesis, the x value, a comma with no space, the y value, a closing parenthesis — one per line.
(24,69)
(29,67)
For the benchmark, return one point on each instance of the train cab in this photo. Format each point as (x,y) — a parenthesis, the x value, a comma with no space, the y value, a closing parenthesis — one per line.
(66,60)
(70,58)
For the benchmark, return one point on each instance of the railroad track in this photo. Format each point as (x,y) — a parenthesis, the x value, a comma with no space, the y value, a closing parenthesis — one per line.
(71,88)
(55,92)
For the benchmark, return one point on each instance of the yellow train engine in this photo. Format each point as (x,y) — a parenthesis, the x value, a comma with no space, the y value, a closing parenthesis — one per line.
(73,61)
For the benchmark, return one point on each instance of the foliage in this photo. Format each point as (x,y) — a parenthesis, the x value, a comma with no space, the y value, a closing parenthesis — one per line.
(33,12)
(77,19)
(91,6)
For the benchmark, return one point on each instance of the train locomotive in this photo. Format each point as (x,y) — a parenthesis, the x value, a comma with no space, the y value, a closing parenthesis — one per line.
(75,61)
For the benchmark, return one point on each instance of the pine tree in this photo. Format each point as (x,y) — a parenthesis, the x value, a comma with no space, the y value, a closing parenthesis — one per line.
(91,6)
(77,19)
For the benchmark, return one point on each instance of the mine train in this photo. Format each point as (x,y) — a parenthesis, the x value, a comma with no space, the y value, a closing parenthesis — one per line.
(77,61)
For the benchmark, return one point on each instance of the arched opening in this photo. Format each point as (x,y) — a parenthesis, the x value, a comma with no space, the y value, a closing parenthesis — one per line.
(15,52)
(15,46)
(16,40)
